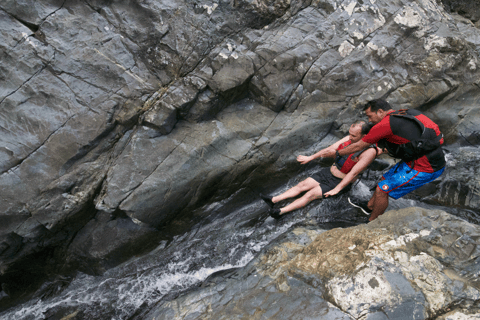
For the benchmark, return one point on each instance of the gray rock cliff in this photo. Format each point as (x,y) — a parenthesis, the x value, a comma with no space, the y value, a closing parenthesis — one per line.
(119,119)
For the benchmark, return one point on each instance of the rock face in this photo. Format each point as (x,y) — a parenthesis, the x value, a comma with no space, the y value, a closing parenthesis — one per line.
(120,118)
(407,264)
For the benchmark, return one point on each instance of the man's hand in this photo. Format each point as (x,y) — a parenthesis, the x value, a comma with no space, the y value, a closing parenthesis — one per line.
(304,159)
(332,192)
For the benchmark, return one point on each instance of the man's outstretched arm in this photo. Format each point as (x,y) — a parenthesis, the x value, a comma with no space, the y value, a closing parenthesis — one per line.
(354,147)
(306,159)
(365,159)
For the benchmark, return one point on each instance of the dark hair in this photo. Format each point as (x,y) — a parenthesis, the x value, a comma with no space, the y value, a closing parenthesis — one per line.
(365,126)
(377,104)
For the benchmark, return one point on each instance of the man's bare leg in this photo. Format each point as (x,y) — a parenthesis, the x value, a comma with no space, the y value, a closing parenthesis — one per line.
(308,197)
(379,204)
(303,186)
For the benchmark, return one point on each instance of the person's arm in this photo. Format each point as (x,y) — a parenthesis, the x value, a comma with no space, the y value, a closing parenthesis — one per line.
(306,159)
(379,131)
(354,147)
(364,160)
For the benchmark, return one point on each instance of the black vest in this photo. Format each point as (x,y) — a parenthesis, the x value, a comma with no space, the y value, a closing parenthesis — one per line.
(423,140)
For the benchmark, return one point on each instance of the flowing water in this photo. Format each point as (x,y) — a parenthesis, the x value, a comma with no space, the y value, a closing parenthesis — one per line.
(226,239)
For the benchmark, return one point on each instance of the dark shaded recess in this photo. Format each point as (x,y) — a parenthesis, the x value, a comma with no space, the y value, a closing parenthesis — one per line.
(111,226)
(218,103)
(84,150)
(221,187)
(41,261)
(251,18)
(473,139)
(26,277)
(327,7)
(432,103)
(33,27)
(469,9)
(225,99)
(132,6)
(236,94)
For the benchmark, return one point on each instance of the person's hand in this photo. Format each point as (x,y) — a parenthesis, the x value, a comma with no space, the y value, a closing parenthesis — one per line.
(331,193)
(304,159)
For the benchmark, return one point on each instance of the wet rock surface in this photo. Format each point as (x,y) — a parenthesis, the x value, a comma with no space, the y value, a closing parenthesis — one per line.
(408,264)
(119,120)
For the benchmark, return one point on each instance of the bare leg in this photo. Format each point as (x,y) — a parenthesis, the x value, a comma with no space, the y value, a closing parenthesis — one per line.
(308,197)
(303,186)
(372,199)
(380,204)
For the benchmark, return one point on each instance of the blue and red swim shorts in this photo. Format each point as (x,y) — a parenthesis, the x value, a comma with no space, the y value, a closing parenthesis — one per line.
(401,179)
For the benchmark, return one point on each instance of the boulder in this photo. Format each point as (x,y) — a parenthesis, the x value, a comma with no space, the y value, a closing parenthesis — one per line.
(409,264)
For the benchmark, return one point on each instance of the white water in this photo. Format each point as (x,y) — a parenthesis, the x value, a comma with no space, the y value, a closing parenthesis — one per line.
(143,281)
(126,294)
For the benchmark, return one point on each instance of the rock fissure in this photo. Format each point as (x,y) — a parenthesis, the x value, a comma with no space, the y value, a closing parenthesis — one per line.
(18,164)
(77,77)
(78,96)
(148,176)
(22,40)
(52,13)
(33,27)
(25,82)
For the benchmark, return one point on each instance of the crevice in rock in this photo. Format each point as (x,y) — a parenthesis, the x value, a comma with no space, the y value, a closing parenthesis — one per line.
(221,154)
(424,107)
(85,149)
(474,136)
(57,74)
(33,27)
(78,98)
(451,307)
(146,178)
(465,8)
(38,147)
(31,77)
(98,10)
(300,82)
(52,13)
(22,40)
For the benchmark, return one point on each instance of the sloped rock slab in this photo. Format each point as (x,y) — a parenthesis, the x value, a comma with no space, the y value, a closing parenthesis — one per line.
(408,264)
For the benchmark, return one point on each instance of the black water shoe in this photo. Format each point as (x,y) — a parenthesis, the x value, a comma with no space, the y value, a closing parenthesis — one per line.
(362,205)
(275,213)
(267,199)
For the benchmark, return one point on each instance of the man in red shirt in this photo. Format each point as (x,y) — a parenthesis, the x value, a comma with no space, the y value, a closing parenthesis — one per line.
(405,134)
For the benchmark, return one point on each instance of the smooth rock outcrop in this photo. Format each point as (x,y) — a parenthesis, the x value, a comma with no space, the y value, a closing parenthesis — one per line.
(408,264)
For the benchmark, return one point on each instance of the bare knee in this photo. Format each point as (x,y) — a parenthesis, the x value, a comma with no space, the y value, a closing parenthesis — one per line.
(314,193)
(380,193)
(307,184)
